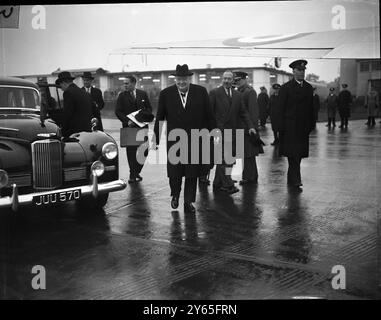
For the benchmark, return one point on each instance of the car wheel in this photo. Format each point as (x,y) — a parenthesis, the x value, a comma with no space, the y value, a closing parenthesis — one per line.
(89,203)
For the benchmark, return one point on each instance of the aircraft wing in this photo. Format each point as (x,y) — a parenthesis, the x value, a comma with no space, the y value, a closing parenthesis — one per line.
(362,43)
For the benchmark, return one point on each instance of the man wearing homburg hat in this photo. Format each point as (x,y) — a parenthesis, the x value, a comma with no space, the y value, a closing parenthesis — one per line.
(77,110)
(296,121)
(96,96)
(184,106)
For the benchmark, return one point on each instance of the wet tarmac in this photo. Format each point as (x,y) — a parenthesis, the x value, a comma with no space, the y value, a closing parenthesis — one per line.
(265,242)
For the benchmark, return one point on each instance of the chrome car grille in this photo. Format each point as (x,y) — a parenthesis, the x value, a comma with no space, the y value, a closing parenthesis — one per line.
(74,174)
(47,164)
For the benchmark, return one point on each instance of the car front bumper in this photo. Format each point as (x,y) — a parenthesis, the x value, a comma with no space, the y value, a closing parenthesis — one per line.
(93,189)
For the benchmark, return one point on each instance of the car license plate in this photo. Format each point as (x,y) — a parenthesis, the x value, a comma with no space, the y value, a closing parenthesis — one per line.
(57,197)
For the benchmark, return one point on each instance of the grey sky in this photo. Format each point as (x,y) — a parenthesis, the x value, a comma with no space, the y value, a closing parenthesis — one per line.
(82,36)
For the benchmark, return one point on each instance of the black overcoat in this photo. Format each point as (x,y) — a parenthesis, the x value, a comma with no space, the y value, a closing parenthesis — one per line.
(344,102)
(274,112)
(197,114)
(296,118)
(77,111)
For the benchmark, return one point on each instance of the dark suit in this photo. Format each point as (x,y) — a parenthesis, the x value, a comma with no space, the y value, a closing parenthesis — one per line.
(344,104)
(296,123)
(249,98)
(195,115)
(98,103)
(77,111)
(263,103)
(126,104)
(228,113)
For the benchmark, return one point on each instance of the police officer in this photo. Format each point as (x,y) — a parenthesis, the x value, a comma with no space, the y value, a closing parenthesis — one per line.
(296,121)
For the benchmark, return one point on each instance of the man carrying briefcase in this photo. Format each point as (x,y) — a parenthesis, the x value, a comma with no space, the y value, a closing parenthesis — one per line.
(129,101)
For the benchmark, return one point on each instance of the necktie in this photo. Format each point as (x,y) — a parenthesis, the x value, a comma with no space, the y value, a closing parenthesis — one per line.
(132,95)
(183,97)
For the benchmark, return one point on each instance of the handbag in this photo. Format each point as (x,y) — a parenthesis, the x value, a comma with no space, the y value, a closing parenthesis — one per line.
(133,136)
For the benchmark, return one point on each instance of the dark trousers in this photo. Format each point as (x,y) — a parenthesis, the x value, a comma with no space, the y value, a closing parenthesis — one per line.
(331,120)
(344,122)
(221,178)
(190,187)
(250,170)
(293,174)
(133,163)
(371,121)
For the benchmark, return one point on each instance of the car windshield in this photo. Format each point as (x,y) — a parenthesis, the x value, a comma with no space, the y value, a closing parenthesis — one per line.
(17,97)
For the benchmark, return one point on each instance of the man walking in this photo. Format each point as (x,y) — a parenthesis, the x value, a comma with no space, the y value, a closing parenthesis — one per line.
(130,100)
(228,108)
(344,104)
(184,106)
(249,98)
(296,121)
(96,96)
(77,110)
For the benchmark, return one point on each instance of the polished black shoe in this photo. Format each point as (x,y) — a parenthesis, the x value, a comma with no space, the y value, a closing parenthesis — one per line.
(230,190)
(139,177)
(175,202)
(189,208)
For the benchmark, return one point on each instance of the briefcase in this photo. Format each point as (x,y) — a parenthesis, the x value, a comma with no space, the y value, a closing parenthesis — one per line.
(133,136)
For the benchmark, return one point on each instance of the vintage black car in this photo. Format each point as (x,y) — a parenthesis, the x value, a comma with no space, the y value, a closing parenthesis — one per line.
(38,167)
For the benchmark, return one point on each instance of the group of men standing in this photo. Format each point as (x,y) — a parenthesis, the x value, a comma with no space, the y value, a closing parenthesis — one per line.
(188,106)
(341,103)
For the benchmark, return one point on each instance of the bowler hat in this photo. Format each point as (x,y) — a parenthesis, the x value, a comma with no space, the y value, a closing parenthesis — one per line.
(276,86)
(182,71)
(144,115)
(299,64)
(64,75)
(87,75)
(239,75)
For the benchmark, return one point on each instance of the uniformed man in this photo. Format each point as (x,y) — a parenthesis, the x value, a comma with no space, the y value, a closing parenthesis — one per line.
(332,103)
(274,114)
(344,104)
(96,96)
(249,98)
(296,121)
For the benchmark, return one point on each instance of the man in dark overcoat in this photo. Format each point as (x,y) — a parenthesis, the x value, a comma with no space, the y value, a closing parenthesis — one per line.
(77,110)
(228,108)
(344,104)
(184,106)
(296,121)
(316,101)
(332,104)
(274,113)
(263,103)
(130,100)
(96,96)
(249,98)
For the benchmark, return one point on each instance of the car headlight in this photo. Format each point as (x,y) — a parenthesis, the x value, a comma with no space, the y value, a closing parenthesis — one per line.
(3,178)
(110,150)
(97,168)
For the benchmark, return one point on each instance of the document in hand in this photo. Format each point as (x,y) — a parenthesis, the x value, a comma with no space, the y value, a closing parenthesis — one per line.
(132,115)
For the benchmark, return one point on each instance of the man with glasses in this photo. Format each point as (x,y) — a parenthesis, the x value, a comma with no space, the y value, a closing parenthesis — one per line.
(296,116)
